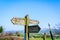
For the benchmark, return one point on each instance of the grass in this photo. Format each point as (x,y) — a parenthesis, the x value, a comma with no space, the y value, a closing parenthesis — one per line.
(35,39)
(32,38)
(42,39)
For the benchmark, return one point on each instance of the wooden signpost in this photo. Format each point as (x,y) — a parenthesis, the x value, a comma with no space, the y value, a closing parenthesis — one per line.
(21,21)
(26,21)
(34,29)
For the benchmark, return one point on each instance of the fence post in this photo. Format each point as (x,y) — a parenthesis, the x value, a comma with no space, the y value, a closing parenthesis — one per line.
(51,32)
(44,36)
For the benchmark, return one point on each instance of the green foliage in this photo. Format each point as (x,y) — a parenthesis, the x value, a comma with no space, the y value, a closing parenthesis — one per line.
(1,29)
(19,34)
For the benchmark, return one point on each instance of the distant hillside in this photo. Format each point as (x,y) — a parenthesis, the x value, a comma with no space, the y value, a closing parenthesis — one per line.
(21,31)
(44,31)
(55,31)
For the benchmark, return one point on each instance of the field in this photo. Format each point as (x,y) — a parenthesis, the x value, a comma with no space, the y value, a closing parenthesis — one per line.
(11,38)
(42,39)
(31,37)
(15,38)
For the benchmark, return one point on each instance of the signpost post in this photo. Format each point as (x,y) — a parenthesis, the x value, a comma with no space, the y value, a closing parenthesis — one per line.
(28,29)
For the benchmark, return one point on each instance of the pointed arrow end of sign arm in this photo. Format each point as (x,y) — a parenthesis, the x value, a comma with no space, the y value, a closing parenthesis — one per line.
(12,20)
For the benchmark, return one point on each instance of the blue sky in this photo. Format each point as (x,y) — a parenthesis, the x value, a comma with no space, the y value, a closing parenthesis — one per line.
(44,11)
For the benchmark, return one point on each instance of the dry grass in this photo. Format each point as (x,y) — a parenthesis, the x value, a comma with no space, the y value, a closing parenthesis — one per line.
(11,38)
